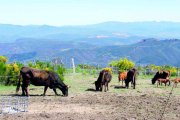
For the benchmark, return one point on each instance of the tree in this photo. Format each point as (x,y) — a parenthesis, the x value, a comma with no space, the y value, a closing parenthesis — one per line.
(2,68)
(58,68)
(114,63)
(172,69)
(12,72)
(60,71)
(122,64)
(3,59)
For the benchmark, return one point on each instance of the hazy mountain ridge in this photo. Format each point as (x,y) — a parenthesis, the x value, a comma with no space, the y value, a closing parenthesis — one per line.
(131,31)
(147,51)
(97,43)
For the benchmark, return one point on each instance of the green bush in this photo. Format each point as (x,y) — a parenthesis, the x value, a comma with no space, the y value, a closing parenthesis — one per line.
(60,71)
(122,64)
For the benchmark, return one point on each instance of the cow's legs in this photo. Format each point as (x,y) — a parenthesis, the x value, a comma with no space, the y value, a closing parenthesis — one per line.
(54,89)
(101,87)
(175,85)
(127,84)
(27,91)
(134,84)
(97,85)
(131,83)
(23,90)
(45,89)
(105,86)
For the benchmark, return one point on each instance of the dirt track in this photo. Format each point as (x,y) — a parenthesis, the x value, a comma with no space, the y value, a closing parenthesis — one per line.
(96,105)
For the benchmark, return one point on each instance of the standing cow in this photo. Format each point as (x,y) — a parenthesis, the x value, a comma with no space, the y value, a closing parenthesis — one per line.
(161,80)
(103,80)
(122,76)
(40,78)
(131,77)
(161,74)
(176,81)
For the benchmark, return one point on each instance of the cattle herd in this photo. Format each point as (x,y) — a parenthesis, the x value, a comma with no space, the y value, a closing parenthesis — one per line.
(51,80)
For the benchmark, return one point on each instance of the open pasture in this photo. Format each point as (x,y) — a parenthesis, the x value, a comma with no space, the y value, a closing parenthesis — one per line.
(146,102)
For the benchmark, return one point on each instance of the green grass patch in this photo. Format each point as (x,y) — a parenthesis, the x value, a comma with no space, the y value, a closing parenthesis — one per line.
(80,83)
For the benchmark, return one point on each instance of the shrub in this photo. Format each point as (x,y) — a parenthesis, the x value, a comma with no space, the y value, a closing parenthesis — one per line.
(108,69)
(122,64)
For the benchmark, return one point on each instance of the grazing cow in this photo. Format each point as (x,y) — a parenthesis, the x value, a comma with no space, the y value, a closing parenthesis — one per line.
(161,74)
(122,76)
(176,81)
(131,77)
(161,80)
(40,78)
(103,80)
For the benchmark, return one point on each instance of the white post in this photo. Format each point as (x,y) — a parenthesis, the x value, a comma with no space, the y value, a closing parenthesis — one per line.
(73,66)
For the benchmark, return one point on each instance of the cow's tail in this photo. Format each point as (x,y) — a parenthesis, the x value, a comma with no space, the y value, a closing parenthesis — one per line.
(18,84)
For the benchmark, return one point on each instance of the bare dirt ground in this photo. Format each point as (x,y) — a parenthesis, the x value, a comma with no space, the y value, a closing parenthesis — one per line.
(98,106)
(145,103)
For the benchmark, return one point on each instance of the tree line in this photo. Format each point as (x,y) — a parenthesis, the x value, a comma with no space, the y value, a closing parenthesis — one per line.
(9,72)
(124,64)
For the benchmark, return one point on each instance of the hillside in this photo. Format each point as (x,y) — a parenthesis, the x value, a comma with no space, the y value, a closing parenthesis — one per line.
(93,44)
(150,51)
(111,33)
(147,51)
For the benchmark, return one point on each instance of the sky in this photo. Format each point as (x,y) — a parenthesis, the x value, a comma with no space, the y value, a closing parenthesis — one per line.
(82,12)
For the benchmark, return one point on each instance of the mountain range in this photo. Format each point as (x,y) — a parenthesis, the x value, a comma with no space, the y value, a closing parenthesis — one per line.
(120,32)
(142,42)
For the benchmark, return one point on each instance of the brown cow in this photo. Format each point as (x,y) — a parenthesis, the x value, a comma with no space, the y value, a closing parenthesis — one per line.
(176,81)
(103,80)
(122,76)
(161,80)
(40,78)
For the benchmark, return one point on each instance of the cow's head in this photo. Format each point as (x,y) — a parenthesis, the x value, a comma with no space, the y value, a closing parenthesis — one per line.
(59,84)
(65,90)
(156,76)
(153,80)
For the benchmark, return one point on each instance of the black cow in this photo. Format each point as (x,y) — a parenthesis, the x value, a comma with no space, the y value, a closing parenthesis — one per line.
(131,77)
(40,78)
(161,74)
(103,79)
